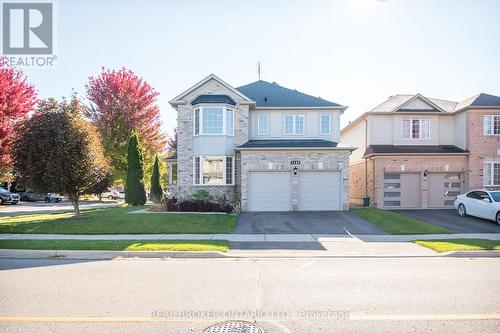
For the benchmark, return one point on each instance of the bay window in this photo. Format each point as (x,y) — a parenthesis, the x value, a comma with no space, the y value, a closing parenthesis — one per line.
(416,128)
(293,125)
(213,121)
(213,170)
(491,125)
(491,174)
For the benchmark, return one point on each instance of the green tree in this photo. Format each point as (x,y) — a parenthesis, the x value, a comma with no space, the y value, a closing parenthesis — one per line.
(134,186)
(103,185)
(156,190)
(57,151)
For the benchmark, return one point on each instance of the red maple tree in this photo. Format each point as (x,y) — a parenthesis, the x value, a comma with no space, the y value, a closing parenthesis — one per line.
(17,99)
(121,102)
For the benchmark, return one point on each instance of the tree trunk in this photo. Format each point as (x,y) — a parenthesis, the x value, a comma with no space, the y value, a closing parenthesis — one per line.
(100,197)
(77,207)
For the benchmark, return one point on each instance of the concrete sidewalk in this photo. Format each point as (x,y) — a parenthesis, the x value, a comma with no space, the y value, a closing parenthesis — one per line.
(253,237)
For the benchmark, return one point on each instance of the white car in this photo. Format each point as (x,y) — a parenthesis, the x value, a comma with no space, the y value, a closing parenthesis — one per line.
(114,194)
(481,203)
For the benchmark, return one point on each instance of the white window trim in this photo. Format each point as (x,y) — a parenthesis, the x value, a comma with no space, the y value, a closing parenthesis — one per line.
(492,172)
(329,124)
(419,129)
(171,172)
(258,125)
(223,171)
(194,170)
(224,120)
(492,125)
(294,123)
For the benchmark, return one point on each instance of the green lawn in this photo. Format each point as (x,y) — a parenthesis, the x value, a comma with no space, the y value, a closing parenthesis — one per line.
(118,245)
(116,221)
(460,244)
(398,224)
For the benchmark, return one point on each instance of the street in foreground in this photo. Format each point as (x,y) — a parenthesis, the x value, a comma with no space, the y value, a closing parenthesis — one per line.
(281,295)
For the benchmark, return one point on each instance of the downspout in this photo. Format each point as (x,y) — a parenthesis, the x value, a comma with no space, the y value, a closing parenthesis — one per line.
(366,158)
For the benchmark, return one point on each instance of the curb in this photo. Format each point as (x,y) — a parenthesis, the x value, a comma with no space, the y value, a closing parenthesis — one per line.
(112,255)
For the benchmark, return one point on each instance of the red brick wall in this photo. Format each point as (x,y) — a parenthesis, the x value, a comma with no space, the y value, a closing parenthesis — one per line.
(415,164)
(482,147)
(357,183)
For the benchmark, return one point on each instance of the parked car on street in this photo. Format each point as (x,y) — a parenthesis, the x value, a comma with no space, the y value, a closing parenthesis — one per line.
(114,194)
(480,203)
(53,197)
(7,197)
(32,196)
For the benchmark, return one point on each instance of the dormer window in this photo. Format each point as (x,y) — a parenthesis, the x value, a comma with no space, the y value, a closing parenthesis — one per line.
(416,129)
(213,121)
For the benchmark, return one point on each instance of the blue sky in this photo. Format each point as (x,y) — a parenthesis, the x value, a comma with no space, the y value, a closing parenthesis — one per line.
(355,53)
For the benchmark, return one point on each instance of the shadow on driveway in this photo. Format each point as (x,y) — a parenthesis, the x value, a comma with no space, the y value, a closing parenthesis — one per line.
(449,218)
(332,223)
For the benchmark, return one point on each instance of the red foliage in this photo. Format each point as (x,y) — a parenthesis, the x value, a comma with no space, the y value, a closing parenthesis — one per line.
(121,96)
(17,99)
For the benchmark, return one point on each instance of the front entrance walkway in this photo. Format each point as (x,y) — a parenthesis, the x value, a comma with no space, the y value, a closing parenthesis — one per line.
(333,223)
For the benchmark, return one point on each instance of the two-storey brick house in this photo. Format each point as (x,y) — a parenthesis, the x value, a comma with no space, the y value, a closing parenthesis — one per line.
(272,148)
(419,152)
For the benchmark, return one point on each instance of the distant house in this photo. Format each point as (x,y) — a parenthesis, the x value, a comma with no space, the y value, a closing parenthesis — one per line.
(272,148)
(420,152)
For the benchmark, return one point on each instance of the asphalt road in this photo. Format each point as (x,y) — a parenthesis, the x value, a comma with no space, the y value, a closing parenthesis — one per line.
(24,207)
(282,295)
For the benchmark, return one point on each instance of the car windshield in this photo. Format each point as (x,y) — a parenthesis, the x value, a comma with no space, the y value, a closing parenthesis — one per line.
(3,191)
(496,196)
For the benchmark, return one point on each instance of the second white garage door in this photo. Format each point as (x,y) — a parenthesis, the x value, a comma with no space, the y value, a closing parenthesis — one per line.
(269,191)
(319,191)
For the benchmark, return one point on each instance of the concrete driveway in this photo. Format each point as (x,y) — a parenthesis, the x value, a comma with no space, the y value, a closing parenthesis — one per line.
(449,218)
(334,223)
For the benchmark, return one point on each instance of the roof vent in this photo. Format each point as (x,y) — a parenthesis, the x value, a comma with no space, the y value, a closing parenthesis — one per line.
(265,99)
(275,83)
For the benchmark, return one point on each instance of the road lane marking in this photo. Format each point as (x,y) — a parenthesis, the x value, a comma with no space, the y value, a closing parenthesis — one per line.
(307,264)
(381,317)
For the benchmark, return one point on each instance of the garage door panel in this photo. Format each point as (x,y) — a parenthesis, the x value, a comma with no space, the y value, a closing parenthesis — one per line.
(269,191)
(319,191)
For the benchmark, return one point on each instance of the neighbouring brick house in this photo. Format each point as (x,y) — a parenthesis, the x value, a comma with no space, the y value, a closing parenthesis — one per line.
(272,148)
(419,152)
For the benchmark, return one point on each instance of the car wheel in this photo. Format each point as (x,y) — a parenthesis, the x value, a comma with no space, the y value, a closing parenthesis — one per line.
(110,197)
(498,218)
(461,210)
(14,203)
(47,200)
(1,201)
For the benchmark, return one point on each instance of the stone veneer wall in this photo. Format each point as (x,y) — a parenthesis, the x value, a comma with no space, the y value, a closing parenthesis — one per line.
(483,148)
(335,160)
(456,164)
(185,186)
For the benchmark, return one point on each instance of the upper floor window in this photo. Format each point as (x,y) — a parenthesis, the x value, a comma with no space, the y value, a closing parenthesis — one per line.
(294,125)
(229,122)
(263,124)
(214,121)
(324,124)
(416,129)
(491,125)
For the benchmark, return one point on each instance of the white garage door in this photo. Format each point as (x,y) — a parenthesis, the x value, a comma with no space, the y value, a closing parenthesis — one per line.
(269,191)
(319,191)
